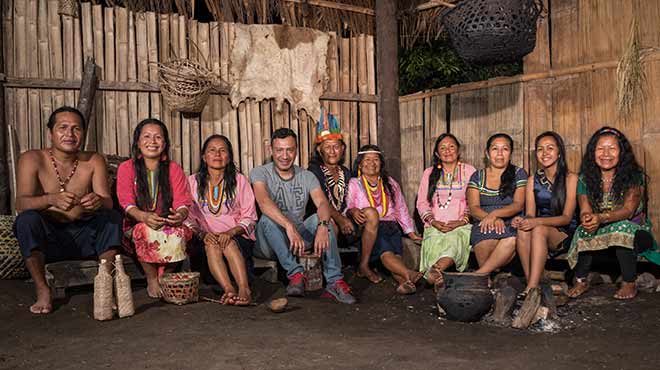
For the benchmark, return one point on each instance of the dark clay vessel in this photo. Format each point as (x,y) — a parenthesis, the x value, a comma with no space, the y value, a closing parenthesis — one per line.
(465,296)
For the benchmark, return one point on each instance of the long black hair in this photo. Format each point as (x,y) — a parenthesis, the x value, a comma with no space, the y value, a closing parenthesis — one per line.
(559,184)
(144,201)
(389,190)
(229,189)
(627,174)
(508,177)
(436,173)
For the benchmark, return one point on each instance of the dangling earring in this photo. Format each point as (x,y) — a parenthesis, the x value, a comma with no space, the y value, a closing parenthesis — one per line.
(163,157)
(359,172)
(140,156)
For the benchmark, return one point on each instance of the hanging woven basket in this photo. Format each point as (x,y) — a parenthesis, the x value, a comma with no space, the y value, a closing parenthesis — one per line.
(68,7)
(185,85)
(493,31)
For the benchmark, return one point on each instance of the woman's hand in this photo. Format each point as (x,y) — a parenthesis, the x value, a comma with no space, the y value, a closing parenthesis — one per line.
(590,222)
(515,222)
(153,220)
(223,240)
(414,236)
(345,225)
(357,215)
(527,224)
(491,223)
(176,217)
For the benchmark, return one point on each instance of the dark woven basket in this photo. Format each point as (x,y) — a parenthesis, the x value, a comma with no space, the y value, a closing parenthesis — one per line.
(493,31)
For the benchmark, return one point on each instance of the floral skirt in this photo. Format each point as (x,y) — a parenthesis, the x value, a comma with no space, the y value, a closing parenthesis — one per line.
(165,245)
(454,244)
(620,233)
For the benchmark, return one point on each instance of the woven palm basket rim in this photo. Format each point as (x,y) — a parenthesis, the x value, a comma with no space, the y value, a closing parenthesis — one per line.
(180,287)
(185,84)
(12,265)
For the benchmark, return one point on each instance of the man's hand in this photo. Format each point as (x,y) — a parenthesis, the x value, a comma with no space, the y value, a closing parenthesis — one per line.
(153,220)
(346,226)
(91,202)
(321,240)
(63,200)
(297,245)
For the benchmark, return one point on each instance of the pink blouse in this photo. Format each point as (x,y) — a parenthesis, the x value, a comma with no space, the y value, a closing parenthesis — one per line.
(127,187)
(356,197)
(456,209)
(242,212)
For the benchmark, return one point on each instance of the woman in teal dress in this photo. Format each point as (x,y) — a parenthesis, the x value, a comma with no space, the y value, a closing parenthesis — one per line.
(611,195)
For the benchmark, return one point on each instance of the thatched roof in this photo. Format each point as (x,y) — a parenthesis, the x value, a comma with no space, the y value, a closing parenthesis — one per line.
(419,20)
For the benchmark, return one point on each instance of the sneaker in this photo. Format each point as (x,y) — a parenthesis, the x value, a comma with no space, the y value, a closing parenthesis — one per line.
(339,291)
(296,287)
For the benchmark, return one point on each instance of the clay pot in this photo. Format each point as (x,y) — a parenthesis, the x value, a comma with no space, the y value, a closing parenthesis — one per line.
(465,296)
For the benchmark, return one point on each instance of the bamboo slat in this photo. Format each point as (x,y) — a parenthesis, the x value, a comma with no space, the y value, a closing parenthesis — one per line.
(121,62)
(333,69)
(152,56)
(133,103)
(142,65)
(266,130)
(345,120)
(203,38)
(355,143)
(32,46)
(245,140)
(68,56)
(648,13)
(214,58)
(88,52)
(99,59)
(257,134)
(110,121)
(539,59)
(371,89)
(180,135)
(7,8)
(363,88)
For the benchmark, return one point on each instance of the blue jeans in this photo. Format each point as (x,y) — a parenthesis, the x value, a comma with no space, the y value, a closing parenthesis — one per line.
(272,243)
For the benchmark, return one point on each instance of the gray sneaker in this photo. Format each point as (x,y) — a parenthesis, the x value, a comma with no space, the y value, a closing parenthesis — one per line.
(296,287)
(339,291)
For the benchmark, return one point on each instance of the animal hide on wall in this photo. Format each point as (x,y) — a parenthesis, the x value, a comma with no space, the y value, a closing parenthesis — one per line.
(278,62)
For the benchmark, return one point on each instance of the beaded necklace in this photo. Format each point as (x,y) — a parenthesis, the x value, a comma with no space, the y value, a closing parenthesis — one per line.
(57,171)
(452,176)
(152,181)
(336,189)
(371,189)
(216,196)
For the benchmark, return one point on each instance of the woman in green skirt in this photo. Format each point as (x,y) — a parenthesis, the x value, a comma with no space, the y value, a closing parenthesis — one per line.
(611,195)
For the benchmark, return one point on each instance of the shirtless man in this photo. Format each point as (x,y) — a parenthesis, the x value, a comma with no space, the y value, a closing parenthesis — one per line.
(64,202)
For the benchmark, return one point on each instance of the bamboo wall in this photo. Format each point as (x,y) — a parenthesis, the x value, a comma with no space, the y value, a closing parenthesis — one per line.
(42,48)
(570,89)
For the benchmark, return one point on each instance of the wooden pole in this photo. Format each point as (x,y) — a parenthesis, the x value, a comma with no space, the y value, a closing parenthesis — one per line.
(4,149)
(389,135)
(88,87)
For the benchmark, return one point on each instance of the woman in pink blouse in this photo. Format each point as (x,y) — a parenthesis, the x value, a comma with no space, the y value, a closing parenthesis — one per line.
(442,205)
(154,194)
(375,203)
(223,214)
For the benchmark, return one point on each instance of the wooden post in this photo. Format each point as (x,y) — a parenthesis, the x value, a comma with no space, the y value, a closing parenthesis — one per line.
(90,81)
(387,66)
(4,148)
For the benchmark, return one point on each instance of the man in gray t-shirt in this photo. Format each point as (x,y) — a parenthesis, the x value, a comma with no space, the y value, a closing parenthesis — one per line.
(282,190)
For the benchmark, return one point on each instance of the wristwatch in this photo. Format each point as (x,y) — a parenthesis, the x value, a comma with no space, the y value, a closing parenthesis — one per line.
(322,223)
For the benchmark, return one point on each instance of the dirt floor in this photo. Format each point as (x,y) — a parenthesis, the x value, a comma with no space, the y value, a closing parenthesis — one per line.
(382,331)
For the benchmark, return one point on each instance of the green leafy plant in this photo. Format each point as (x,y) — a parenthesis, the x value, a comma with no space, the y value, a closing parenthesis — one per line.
(436,64)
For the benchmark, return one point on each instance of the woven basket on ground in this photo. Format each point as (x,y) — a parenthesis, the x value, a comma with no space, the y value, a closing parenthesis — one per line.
(185,85)
(493,31)
(11,261)
(180,287)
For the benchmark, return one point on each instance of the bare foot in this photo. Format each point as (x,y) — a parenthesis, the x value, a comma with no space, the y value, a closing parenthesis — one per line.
(369,274)
(407,287)
(44,303)
(434,277)
(626,291)
(228,298)
(244,298)
(153,289)
(578,289)
(414,276)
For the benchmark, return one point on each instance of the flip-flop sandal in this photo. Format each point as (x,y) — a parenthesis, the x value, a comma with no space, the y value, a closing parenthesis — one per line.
(417,277)
(406,288)
(42,310)
(241,302)
(576,291)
